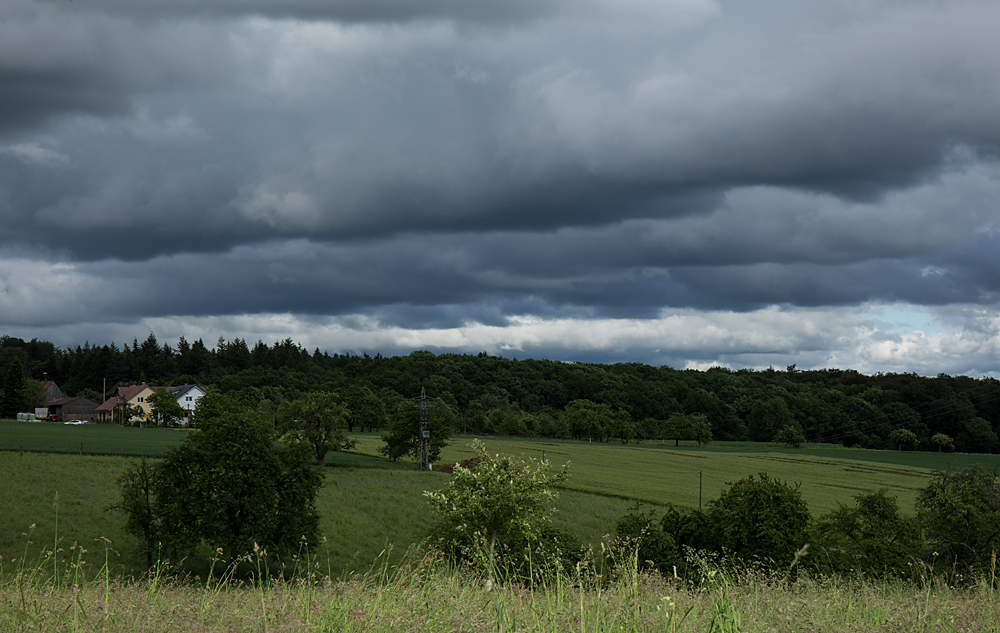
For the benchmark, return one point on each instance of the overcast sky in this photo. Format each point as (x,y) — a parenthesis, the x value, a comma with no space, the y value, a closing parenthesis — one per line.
(679,182)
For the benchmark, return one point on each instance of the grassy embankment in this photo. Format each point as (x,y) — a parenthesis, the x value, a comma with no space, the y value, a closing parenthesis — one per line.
(369,504)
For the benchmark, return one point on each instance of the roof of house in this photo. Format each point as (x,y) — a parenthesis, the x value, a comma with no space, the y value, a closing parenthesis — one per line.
(180,390)
(124,393)
(52,391)
(64,401)
(108,404)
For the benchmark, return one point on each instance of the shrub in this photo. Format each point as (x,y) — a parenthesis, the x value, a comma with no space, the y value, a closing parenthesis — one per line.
(872,537)
(498,503)
(960,513)
(657,548)
(791,436)
(760,518)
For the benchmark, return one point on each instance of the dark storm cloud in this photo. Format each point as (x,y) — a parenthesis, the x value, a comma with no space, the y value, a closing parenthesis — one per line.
(449,281)
(351,10)
(437,163)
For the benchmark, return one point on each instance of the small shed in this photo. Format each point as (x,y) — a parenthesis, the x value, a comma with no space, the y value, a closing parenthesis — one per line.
(73,409)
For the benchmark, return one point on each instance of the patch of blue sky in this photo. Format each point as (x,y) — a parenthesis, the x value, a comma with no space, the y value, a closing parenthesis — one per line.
(904,318)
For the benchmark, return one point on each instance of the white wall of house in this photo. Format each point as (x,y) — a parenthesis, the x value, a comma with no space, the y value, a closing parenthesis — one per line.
(188,400)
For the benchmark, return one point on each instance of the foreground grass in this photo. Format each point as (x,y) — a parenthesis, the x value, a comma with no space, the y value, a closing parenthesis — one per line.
(423,595)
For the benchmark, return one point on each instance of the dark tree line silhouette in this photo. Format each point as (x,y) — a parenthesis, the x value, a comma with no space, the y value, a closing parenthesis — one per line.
(534,397)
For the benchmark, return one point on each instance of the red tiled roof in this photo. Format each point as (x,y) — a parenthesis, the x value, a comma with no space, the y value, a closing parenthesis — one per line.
(108,404)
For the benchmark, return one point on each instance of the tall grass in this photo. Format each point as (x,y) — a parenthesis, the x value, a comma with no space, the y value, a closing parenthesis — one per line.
(423,592)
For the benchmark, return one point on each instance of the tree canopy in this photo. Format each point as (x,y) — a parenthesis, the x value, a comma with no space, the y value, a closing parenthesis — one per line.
(227,485)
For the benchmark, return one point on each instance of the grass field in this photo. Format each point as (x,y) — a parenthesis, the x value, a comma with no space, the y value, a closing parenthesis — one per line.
(87,439)
(369,504)
(366,505)
(661,473)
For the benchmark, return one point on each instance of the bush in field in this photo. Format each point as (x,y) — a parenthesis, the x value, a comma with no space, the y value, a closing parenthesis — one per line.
(657,549)
(227,485)
(761,518)
(872,537)
(960,514)
(495,505)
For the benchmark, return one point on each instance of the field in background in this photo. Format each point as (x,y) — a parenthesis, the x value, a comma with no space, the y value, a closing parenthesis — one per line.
(662,473)
(87,439)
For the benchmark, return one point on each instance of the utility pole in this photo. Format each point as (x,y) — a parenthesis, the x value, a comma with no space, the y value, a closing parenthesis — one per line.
(425,434)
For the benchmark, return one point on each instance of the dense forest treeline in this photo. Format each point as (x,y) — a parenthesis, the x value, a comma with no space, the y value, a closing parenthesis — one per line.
(620,402)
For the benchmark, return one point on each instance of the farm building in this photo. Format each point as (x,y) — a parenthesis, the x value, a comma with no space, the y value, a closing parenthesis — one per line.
(73,409)
(52,392)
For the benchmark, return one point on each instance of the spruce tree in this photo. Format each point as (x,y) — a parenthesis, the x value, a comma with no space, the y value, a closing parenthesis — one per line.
(15,391)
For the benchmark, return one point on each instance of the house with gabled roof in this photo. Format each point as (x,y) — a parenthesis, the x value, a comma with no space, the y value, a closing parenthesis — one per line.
(188,397)
(136,396)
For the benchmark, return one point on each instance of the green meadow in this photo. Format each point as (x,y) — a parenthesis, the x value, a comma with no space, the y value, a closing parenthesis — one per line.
(662,473)
(369,504)
(87,439)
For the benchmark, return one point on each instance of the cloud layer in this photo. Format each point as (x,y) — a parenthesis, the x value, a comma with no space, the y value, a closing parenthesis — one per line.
(517,176)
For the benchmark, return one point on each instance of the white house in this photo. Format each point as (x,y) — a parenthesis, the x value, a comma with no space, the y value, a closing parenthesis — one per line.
(187,396)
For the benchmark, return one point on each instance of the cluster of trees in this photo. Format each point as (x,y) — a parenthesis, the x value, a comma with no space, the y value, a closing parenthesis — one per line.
(228,485)
(765,522)
(20,393)
(623,402)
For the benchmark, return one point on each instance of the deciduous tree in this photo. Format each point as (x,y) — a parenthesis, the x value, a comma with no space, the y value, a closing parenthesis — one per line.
(227,485)
(403,437)
(943,441)
(904,438)
(320,419)
(164,407)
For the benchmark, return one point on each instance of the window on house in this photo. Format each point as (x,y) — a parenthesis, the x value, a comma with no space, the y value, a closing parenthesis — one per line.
(188,398)
(139,399)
